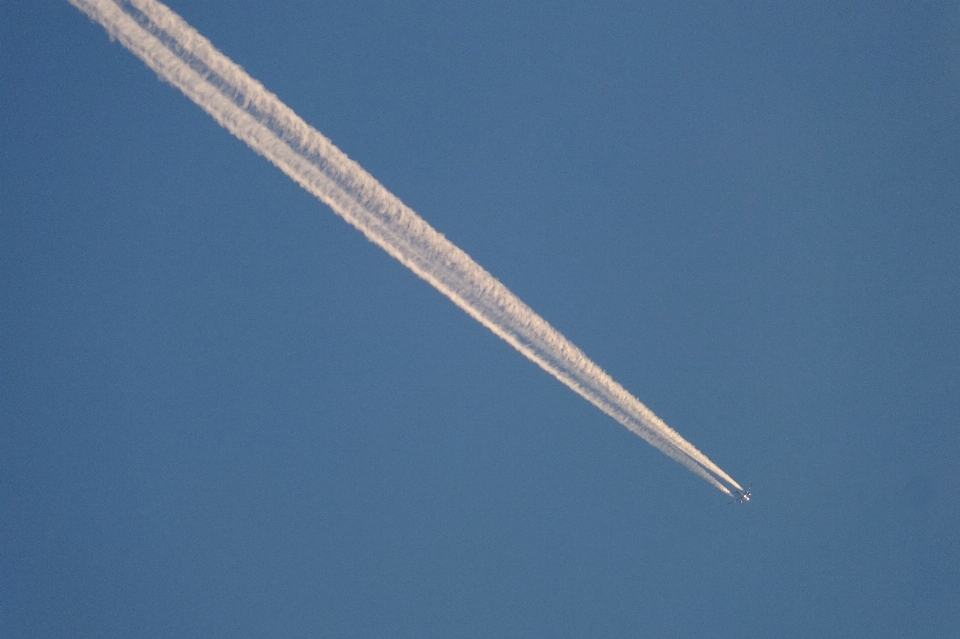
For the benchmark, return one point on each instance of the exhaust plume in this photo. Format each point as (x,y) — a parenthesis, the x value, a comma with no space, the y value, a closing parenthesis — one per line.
(187,60)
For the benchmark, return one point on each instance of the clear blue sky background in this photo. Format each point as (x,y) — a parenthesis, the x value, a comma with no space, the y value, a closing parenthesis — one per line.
(224,413)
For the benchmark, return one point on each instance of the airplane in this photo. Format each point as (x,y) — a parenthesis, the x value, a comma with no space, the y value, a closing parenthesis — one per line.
(741,496)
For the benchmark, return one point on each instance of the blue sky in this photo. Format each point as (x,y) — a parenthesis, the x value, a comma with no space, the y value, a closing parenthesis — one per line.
(225,413)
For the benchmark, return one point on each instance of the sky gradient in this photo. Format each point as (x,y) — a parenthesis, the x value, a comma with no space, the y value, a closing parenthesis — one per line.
(224,412)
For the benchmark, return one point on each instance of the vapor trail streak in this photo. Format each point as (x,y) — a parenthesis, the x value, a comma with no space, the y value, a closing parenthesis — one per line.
(183,57)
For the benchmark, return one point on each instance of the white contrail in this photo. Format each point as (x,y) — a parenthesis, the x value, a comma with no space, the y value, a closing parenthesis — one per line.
(183,57)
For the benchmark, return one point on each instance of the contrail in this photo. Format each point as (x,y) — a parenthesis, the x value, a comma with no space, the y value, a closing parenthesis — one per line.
(187,60)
